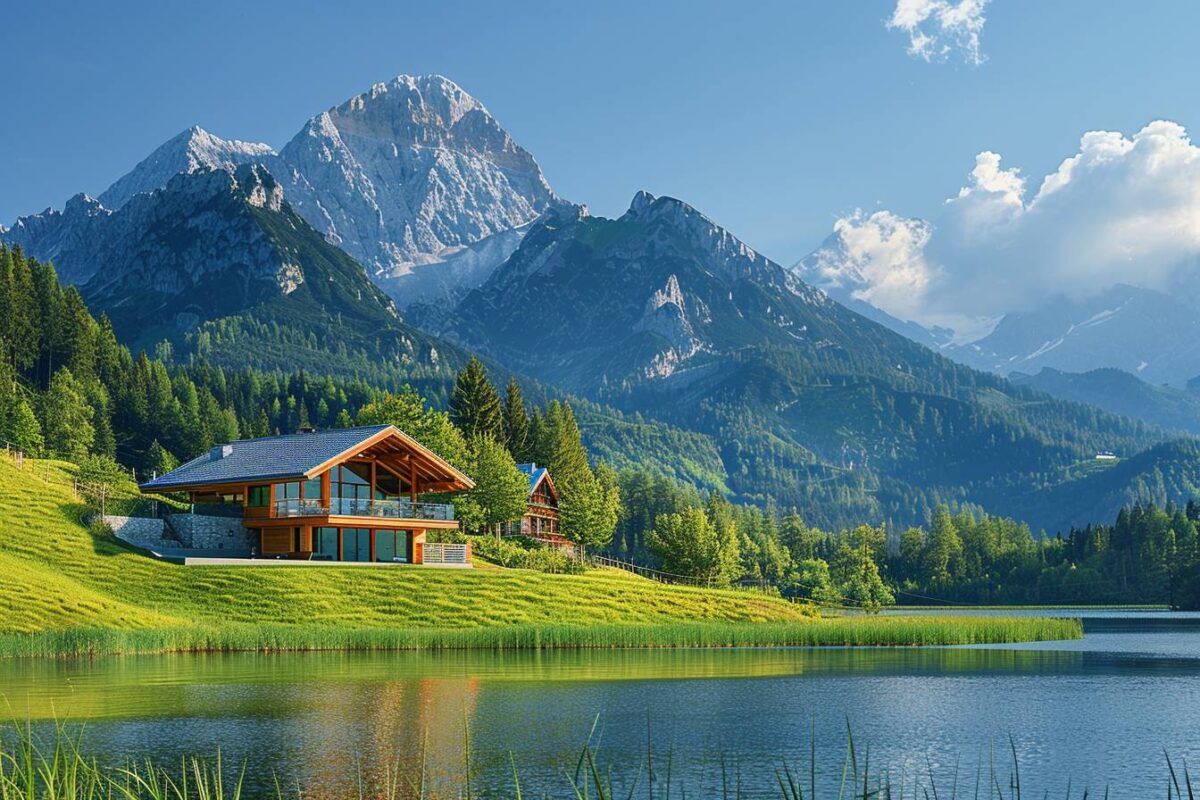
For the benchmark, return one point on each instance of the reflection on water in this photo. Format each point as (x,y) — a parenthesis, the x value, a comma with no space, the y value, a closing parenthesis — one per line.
(1099,710)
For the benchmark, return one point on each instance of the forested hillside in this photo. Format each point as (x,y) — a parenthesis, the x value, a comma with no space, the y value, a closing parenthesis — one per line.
(665,314)
(69,387)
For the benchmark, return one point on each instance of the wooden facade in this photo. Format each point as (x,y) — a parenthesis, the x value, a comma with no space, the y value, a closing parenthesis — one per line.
(360,504)
(541,519)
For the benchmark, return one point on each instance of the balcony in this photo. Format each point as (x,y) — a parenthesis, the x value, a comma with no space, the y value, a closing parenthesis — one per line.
(377,509)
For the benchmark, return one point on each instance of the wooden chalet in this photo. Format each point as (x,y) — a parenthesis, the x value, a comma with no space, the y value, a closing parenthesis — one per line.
(350,494)
(541,513)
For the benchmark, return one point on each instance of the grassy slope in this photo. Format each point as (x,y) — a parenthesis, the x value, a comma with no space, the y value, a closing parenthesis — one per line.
(58,575)
(65,591)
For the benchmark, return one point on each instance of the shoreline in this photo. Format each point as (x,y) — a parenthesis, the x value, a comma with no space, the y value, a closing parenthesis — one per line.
(879,631)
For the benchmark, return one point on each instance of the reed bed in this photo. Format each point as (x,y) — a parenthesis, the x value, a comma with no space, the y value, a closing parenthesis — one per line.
(831,632)
(57,768)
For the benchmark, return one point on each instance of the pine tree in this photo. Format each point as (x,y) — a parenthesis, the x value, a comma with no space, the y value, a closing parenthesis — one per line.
(79,335)
(589,508)
(105,442)
(516,422)
(21,306)
(534,444)
(474,405)
(24,429)
(561,445)
(68,417)
(158,460)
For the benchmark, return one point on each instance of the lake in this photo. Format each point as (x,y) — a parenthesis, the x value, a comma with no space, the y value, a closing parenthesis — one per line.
(1097,712)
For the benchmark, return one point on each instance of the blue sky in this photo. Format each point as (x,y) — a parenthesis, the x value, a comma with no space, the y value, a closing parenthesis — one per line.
(775,118)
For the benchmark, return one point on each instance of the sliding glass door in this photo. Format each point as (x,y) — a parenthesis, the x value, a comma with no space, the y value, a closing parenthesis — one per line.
(356,544)
(393,546)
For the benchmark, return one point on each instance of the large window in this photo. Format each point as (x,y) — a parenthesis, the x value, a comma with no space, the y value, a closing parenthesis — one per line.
(392,546)
(312,490)
(287,498)
(356,544)
(258,497)
(387,484)
(325,544)
(287,491)
(350,488)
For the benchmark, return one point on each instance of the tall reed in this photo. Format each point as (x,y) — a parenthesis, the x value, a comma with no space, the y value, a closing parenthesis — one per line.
(57,769)
(840,631)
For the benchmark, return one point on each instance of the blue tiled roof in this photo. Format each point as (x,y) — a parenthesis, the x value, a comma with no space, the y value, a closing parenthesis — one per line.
(535,474)
(266,458)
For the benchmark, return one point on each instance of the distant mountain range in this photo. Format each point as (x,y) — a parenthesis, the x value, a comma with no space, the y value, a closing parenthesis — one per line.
(1152,336)
(1140,331)
(1121,393)
(678,334)
(664,313)
(407,177)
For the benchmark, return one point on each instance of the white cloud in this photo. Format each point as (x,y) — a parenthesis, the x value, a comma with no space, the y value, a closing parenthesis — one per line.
(938,28)
(1120,210)
(878,258)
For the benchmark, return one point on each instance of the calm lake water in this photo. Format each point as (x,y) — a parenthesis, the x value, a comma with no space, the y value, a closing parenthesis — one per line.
(1098,712)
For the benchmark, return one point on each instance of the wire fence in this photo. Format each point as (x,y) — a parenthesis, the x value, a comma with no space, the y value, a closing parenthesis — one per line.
(99,496)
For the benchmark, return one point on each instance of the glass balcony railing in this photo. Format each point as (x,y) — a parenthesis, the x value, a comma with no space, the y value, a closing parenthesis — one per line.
(384,509)
(300,508)
(392,509)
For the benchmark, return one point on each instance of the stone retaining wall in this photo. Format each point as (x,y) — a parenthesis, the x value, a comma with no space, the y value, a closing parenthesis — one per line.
(204,532)
(139,531)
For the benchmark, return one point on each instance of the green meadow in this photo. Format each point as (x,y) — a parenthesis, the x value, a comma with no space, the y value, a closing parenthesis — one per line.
(68,590)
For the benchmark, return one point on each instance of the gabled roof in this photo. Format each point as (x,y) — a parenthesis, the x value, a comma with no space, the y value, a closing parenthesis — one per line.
(295,457)
(537,475)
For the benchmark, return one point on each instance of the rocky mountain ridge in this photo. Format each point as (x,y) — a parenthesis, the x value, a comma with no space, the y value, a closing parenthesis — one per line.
(405,177)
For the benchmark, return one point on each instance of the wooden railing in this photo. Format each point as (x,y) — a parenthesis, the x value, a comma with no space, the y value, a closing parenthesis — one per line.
(648,572)
(446,553)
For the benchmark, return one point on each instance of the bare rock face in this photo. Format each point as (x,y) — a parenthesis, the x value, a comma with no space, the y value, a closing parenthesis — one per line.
(414,179)
(198,226)
(194,150)
(661,294)
(58,235)
(408,174)
(666,315)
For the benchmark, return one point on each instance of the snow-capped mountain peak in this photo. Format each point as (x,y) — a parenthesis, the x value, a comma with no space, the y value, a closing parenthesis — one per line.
(408,172)
(190,151)
(414,178)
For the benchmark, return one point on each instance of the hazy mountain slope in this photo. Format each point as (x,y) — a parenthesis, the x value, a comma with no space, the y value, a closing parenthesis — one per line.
(1121,393)
(1167,473)
(1147,333)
